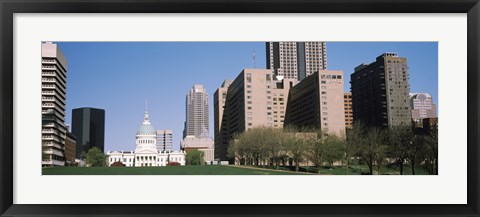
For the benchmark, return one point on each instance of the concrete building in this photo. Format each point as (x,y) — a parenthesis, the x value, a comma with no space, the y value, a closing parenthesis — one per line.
(347,100)
(318,102)
(54,87)
(422,107)
(219,98)
(380,92)
(70,148)
(205,145)
(88,126)
(196,118)
(253,99)
(164,140)
(146,153)
(296,60)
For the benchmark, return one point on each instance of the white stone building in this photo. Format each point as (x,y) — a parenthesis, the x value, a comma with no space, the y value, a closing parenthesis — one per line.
(146,153)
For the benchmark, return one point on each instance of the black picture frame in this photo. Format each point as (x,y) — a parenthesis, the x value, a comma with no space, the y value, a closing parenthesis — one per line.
(10,7)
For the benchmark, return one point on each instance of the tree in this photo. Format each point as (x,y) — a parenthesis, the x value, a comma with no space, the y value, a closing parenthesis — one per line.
(194,157)
(431,152)
(296,147)
(371,148)
(414,150)
(399,137)
(96,158)
(332,149)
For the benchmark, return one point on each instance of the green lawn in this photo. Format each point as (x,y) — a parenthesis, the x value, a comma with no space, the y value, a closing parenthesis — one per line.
(168,170)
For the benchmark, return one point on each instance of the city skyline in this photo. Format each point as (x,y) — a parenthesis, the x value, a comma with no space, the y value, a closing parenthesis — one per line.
(164,72)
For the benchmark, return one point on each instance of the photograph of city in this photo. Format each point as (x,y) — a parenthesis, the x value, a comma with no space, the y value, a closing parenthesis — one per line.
(239,108)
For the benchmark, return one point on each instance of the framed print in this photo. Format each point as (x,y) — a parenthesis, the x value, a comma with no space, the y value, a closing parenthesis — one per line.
(239,108)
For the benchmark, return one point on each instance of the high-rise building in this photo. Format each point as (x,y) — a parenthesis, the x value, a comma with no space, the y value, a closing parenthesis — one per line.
(54,87)
(164,140)
(219,98)
(196,120)
(253,99)
(88,126)
(422,107)
(380,92)
(347,100)
(296,60)
(318,102)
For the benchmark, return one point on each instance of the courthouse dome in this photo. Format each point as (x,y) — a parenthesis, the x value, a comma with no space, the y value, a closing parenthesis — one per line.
(147,127)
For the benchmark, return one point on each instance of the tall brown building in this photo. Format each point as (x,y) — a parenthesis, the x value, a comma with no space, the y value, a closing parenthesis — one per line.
(347,100)
(380,92)
(318,102)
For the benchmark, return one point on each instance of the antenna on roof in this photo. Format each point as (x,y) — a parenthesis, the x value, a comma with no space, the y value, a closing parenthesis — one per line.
(254,57)
(146,104)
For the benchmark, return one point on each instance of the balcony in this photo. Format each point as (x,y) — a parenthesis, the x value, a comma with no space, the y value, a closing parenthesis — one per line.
(53,163)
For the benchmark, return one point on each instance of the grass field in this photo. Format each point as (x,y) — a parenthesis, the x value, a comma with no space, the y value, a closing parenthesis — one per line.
(168,170)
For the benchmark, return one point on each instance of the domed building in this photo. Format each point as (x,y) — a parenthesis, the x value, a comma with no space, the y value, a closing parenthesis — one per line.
(146,153)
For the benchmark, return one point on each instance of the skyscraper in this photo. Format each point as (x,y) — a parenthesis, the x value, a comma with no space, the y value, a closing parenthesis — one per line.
(318,102)
(296,60)
(88,126)
(380,92)
(164,140)
(54,87)
(422,107)
(196,120)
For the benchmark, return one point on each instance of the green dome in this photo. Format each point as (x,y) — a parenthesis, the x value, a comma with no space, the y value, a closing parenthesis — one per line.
(146,129)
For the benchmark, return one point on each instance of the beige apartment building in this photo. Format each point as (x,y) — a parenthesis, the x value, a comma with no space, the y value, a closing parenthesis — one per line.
(318,102)
(54,90)
(219,98)
(255,98)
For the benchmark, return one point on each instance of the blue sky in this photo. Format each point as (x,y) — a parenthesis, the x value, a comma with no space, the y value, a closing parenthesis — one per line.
(119,76)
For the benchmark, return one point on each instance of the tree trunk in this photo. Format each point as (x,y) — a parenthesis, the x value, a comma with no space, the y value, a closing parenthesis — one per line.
(413,166)
(370,166)
(296,165)
(401,166)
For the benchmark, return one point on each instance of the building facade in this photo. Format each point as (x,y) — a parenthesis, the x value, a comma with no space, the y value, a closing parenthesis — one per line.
(255,98)
(347,100)
(296,60)
(88,126)
(146,153)
(422,107)
(219,98)
(205,145)
(70,148)
(164,140)
(318,102)
(54,87)
(380,92)
(196,120)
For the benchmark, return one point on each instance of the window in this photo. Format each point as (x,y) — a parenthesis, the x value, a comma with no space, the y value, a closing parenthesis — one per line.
(324,92)
(249,107)
(324,82)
